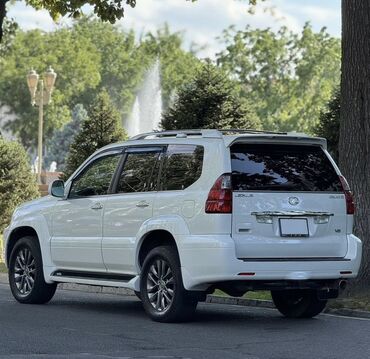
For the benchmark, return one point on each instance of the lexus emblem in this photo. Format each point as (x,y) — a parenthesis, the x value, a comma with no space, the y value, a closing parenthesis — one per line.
(293,201)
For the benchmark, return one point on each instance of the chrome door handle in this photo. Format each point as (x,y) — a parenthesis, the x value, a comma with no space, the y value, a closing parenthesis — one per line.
(97,206)
(142,204)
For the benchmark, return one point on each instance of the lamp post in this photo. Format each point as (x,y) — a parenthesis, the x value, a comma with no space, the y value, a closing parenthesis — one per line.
(40,90)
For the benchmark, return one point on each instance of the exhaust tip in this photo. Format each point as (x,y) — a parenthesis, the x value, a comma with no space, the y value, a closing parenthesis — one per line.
(342,284)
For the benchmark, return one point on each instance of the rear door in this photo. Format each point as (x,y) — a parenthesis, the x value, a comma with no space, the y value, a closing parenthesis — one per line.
(288,202)
(129,207)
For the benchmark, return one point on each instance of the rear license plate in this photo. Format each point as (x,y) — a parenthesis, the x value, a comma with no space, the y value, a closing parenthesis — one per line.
(297,227)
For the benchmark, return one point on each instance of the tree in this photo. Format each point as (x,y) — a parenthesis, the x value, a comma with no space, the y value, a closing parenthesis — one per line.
(17,183)
(88,56)
(58,145)
(76,62)
(290,76)
(328,126)
(354,149)
(10,28)
(210,100)
(102,127)
(177,65)
(104,9)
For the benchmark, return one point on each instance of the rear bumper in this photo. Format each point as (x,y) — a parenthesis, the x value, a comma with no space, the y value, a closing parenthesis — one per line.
(207,260)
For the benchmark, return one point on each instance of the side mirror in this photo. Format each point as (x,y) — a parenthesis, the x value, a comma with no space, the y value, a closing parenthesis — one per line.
(56,188)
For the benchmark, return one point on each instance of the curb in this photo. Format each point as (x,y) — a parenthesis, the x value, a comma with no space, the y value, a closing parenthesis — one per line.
(215,299)
(343,312)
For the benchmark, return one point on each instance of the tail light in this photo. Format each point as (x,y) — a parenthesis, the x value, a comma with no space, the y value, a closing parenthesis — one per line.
(350,204)
(220,196)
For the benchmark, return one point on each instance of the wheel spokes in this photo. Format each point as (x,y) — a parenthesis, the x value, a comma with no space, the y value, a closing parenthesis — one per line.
(24,271)
(160,285)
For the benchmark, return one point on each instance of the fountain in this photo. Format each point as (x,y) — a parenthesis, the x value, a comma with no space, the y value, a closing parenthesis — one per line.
(147,109)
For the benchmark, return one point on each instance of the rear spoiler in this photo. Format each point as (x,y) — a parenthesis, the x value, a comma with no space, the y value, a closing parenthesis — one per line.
(284,139)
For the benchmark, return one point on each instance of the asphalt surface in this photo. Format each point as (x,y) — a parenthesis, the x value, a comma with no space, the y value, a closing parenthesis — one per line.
(88,325)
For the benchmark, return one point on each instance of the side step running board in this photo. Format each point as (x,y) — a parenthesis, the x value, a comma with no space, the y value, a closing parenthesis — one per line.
(92,276)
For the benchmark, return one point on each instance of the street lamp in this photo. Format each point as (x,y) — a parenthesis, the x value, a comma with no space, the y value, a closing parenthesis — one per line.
(41,96)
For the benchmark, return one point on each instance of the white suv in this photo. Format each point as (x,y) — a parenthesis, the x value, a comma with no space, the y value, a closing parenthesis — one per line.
(176,215)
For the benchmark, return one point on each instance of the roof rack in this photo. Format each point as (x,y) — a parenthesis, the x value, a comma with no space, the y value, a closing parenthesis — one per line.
(178,133)
(237,131)
(217,133)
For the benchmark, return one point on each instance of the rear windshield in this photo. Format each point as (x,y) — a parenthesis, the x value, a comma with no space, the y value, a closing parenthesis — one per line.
(274,167)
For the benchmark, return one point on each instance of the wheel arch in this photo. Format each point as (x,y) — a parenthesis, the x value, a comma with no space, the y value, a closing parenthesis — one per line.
(17,234)
(153,239)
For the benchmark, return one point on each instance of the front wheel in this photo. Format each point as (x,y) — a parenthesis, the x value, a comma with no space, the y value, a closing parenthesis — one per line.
(26,276)
(162,292)
(299,303)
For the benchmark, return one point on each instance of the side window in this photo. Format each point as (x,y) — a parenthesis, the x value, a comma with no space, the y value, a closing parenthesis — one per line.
(96,178)
(138,172)
(182,167)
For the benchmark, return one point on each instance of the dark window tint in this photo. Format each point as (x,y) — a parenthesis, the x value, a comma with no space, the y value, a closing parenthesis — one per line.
(138,172)
(182,167)
(282,168)
(96,179)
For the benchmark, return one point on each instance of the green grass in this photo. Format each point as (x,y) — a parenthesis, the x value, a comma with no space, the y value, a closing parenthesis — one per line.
(264,295)
(359,302)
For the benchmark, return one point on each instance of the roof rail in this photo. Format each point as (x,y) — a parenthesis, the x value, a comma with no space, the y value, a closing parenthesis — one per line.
(178,133)
(237,131)
(210,133)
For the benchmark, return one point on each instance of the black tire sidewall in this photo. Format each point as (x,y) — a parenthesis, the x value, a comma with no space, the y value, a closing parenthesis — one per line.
(308,307)
(183,304)
(41,291)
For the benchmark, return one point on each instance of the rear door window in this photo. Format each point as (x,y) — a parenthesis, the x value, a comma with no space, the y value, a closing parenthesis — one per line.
(182,166)
(276,167)
(139,172)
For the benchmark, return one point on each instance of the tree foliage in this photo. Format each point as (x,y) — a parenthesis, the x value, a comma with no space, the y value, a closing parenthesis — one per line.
(329,124)
(210,100)
(88,56)
(102,127)
(10,28)
(58,145)
(289,76)
(17,183)
(76,62)
(106,10)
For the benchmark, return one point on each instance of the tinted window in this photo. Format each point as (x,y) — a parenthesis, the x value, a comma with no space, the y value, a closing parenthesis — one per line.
(282,168)
(182,167)
(96,179)
(138,172)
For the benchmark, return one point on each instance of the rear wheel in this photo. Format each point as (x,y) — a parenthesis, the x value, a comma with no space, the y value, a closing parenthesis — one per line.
(26,276)
(300,303)
(162,292)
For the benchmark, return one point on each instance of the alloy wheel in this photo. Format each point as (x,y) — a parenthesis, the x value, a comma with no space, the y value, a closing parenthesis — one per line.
(160,285)
(24,271)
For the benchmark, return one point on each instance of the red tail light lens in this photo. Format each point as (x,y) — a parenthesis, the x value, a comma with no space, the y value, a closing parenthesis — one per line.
(350,203)
(220,196)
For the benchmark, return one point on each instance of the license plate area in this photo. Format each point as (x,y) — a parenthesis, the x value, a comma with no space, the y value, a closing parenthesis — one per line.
(293,227)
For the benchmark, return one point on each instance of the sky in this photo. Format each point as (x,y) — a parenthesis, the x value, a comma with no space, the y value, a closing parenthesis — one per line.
(204,20)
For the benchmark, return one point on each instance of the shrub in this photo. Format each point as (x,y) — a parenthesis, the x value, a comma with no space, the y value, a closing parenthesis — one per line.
(17,182)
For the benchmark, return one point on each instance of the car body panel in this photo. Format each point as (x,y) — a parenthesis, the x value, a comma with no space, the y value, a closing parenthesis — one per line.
(209,245)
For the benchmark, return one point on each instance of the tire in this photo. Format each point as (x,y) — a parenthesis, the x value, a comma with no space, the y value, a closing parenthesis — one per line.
(26,276)
(162,291)
(300,303)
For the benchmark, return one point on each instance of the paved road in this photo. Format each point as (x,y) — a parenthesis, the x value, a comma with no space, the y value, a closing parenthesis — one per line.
(86,325)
